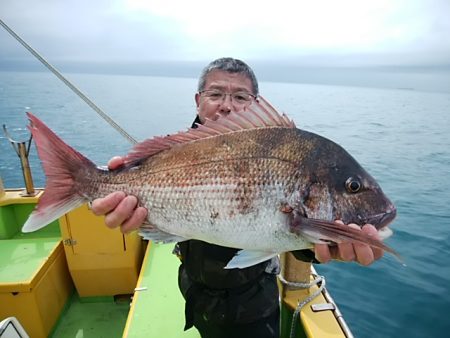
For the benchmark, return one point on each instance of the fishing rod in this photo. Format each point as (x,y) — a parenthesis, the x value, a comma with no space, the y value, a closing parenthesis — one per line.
(91,104)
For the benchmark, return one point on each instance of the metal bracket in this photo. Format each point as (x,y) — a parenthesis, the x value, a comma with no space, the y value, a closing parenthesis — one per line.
(323,307)
(69,242)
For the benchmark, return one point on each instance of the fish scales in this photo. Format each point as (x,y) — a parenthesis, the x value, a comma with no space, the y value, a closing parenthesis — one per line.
(216,189)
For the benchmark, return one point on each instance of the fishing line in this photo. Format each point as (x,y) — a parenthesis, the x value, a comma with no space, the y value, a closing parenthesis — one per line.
(91,104)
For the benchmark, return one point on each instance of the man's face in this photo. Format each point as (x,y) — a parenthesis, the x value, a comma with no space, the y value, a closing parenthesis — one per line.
(225,82)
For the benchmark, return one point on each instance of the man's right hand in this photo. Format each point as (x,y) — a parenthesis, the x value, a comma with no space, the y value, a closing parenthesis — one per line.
(118,208)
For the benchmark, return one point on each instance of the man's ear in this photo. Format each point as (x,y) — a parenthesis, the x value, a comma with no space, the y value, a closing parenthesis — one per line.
(197,99)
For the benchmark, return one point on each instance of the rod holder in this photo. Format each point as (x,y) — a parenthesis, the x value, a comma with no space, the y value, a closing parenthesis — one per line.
(22,150)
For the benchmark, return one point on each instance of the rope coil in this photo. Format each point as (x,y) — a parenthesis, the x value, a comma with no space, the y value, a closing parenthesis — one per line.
(318,280)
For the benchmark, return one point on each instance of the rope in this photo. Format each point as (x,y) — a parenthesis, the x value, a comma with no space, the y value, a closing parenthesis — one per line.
(91,104)
(298,285)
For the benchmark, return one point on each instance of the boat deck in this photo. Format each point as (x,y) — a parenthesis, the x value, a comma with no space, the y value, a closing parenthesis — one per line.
(157,297)
(95,317)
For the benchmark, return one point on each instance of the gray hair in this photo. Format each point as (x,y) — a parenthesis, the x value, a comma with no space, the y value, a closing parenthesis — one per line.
(229,65)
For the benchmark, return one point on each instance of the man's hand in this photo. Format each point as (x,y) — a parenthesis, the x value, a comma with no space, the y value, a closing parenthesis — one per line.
(361,253)
(118,208)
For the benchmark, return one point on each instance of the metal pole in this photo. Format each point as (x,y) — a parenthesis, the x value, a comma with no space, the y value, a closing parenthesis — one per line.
(26,170)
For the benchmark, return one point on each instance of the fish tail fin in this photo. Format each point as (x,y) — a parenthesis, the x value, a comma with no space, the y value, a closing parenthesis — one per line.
(318,231)
(62,165)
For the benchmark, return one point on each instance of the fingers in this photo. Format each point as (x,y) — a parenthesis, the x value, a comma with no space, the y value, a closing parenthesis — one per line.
(364,254)
(346,250)
(102,206)
(115,162)
(120,209)
(373,232)
(325,252)
(359,252)
(135,221)
(322,253)
(122,212)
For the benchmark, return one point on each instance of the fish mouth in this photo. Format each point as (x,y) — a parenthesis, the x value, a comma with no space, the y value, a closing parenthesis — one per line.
(383,219)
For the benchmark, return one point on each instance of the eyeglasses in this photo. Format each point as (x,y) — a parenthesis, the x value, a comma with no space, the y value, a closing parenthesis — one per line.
(218,95)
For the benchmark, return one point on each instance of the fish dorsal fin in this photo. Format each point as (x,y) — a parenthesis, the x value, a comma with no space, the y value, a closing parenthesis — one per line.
(260,114)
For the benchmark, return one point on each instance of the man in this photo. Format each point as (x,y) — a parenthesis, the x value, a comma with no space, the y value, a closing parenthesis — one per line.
(222,302)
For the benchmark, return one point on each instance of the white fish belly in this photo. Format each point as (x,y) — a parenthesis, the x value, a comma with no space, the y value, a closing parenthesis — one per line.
(247,218)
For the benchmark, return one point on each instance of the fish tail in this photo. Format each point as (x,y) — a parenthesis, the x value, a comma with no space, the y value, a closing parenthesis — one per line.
(62,166)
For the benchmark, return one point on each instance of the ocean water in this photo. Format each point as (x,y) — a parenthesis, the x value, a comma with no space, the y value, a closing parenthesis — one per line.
(400,136)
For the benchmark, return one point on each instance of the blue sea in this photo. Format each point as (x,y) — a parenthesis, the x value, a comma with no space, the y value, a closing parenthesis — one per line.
(401,136)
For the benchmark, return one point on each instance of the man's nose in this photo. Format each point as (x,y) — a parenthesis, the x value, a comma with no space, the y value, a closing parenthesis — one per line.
(226,104)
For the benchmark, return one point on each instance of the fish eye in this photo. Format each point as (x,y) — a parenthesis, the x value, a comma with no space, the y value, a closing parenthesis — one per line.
(353,185)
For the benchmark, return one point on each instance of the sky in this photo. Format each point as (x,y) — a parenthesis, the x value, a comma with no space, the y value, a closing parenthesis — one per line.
(344,32)
(336,42)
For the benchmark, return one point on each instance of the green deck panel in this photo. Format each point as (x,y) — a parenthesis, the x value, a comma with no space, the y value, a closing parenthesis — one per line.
(21,259)
(12,218)
(159,310)
(92,319)
(8,222)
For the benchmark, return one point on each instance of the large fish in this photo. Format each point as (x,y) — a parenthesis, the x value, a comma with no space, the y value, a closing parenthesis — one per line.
(250,180)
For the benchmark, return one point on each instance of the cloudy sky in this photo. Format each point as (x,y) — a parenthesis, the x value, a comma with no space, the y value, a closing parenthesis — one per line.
(319,32)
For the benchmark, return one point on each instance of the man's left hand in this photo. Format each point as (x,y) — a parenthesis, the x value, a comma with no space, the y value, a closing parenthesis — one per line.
(361,253)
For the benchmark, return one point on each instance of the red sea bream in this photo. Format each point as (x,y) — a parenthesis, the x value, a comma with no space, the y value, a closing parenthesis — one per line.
(248,180)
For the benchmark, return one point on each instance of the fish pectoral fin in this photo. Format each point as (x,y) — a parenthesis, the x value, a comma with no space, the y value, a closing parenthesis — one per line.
(149,232)
(246,258)
(319,231)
